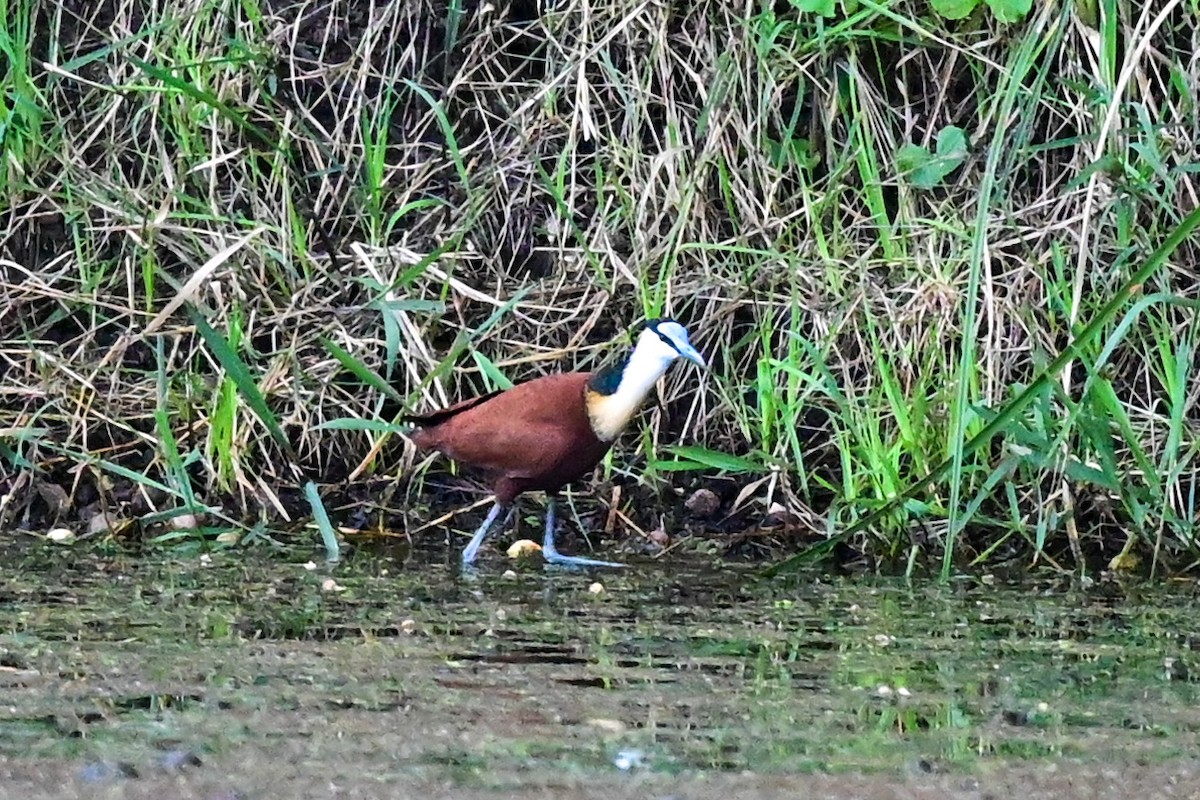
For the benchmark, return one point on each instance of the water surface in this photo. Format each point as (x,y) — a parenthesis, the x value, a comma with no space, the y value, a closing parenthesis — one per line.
(257,674)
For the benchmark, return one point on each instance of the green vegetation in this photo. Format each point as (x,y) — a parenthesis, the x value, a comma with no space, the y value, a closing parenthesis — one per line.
(941,256)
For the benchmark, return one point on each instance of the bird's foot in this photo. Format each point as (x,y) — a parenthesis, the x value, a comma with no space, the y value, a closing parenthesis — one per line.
(551,554)
(469,572)
(559,560)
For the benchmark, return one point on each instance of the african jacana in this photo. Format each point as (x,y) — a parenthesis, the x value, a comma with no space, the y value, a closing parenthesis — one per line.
(545,433)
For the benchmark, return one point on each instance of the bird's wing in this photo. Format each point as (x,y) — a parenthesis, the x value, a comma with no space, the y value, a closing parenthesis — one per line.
(521,432)
(441,415)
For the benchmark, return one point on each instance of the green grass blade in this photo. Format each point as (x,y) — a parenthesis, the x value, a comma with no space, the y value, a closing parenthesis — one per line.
(324,526)
(360,370)
(241,376)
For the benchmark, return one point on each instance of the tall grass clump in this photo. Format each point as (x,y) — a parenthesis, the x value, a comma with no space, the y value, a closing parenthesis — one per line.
(941,256)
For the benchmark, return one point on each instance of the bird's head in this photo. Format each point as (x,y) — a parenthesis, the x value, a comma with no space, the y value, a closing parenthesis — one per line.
(615,393)
(664,340)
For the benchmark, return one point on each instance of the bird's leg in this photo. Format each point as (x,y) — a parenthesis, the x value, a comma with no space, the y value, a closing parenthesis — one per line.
(472,549)
(551,554)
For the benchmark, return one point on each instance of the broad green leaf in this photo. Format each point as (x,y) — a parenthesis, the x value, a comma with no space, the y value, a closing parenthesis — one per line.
(912,157)
(954,9)
(925,170)
(952,144)
(1010,10)
(826,8)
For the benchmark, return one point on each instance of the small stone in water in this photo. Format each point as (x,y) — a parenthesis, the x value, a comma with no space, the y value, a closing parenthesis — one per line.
(629,759)
(523,547)
(99,771)
(176,759)
(61,535)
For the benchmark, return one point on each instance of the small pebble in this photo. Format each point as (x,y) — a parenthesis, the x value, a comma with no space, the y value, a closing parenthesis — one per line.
(101,523)
(883,690)
(185,522)
(408,625)
(628,759)
(310,566)
(659,537)
(596,588)
(703,503)
(778,514)
(523,547)
(607,725)
(330,585)
(61,536)
(508,574)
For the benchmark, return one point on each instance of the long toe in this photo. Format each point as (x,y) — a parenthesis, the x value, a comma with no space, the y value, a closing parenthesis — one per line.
(551,554)
(558,559)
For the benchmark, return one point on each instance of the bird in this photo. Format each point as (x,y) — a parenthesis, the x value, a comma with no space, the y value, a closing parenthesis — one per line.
(542,434)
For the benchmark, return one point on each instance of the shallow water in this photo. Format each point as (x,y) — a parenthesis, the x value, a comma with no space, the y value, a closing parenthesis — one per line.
(256,674)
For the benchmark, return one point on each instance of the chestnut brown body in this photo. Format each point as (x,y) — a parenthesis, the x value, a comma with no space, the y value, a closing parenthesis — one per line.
(536,436)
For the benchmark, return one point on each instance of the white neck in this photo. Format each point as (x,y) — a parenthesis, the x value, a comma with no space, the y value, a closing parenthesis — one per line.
(610,414)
